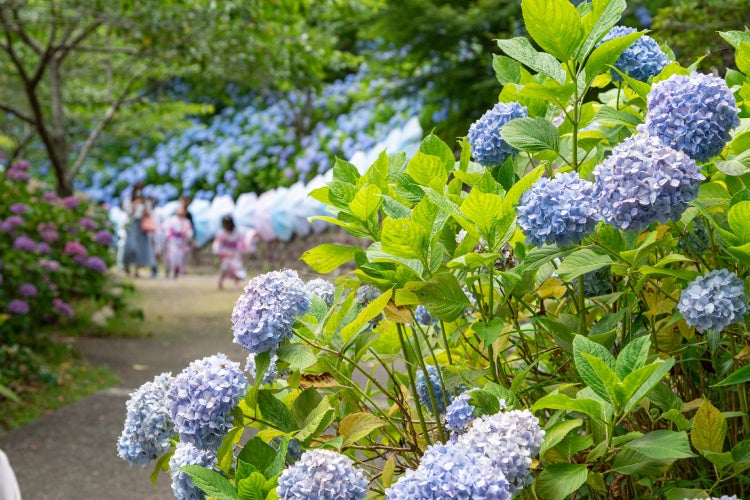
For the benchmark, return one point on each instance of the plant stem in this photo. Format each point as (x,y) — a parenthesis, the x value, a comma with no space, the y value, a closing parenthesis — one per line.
(412,383)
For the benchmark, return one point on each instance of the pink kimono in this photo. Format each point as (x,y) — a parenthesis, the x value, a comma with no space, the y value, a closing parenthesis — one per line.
(177,234)
(230,247)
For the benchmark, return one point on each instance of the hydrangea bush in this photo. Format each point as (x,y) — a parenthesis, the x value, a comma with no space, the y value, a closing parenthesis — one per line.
(589,291)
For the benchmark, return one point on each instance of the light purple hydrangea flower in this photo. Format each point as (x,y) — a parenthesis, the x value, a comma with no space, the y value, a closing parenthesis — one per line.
(322,475)
(459,414)
(12,222)
(87,224)
(448,471)
(24,243)
(50,196)
(435,386)
(148,425)
(50,266)
(75,249)
(187,454)
(693,114)
(487,144)
(264,314)
(643,181)
(323,289)
(43,247)
(28,290)
(19,208)
(96,264)
(17,306)
(563,210)
(62,307)
(201,398)
(642,60)
(104,238)
(71,202)
(713,301)
(48,231)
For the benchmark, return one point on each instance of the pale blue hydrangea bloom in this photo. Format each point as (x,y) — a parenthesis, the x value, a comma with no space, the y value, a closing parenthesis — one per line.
(643,181)
(642,60)
(272,372)
(148,425)
(487,144)
(322,474)
(201,398)
(366,294)
(510,439)
(435,386)
(187,454)
(713,301)
(323,289)
(693,114)
(562,210)
(459,414)
(451,471)
(264,314)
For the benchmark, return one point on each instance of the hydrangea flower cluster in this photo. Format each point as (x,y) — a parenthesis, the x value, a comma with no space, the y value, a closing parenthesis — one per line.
(451,471)
(713,301)
(323,289)
(491,460)
(264,314)
(272,372)
(487,144)
(460,414)
(322,474)
(562,210)
(187,454)
(511,439)
(643,181)
(148,425)
(435,386)
(693,114)
(201,398)
(18,306)
(642,60)
(423,317)
(595,283)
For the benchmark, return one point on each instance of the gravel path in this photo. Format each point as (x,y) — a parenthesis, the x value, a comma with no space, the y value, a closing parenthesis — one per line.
(70,453)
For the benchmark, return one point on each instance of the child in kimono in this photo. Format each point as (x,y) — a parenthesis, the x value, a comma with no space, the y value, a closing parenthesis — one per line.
(229,245)
(178,233)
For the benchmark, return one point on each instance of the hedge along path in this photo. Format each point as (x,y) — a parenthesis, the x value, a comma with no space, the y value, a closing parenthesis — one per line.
(71,453)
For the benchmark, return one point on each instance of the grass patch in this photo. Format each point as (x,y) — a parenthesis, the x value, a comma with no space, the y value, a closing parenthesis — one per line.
(62,377)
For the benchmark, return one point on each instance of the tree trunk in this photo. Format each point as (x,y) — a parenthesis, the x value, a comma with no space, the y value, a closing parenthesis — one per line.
(58,144)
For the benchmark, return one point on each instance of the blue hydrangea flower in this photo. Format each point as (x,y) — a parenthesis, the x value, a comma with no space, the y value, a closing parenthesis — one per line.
(201,398)
(263,316)
(187,454)
(449,471)
(322,474)
(323,289)
(713,301)
(562,210)
(595,283)
(510,439)
(148,425)
(459,414)
(642,60)
(487,144)
(366,294)
(435,386)
(271,373)
(693,114)
(643,181)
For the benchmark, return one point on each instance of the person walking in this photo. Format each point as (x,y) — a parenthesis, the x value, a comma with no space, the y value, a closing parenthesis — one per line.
(229,245)
(139,250)
(178,234)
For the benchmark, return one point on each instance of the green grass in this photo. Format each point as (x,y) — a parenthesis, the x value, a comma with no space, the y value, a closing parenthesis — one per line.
(68,378)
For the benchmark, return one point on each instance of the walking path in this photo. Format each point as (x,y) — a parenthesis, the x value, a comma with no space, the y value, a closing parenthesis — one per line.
(70,454)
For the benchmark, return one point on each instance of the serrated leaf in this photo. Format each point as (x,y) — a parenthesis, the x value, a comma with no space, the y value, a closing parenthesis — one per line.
(608,53)
(372,310)
(403,238)
(521,50)
(298,356)
(557,481)
(424,169)
(434,146)
(709,428)
(605,14)
(663,445)
(590,407)
(355,426)
(531,134)
(275,412)
(635,385)
(327,257)
(581,346)
(553,24)
(738,219)
(483,209)
(557,432)
(346,172)
(606,381)
(633,356)
(366,202)
(737,377)
(611,116)
(506,70)
(388,469)
(251,487)
(211,482)
(581,262)
(317,422)
(442,296)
